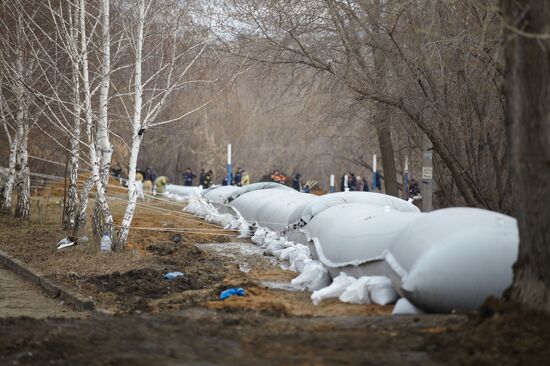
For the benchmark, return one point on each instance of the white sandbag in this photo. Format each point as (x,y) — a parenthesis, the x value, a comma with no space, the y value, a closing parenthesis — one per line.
(357,292)
(303,215)
(354,234)
(248,204)
(404,307)
(314,276)
(296,254)
(259,236)
(380,290)
(336,288)
(273,212)
(453,259)
(219,195)
(275,246)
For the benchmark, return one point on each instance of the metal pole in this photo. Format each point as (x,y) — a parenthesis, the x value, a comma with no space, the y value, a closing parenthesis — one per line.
(406,177)
(229,164)
(374,173)
(427,175)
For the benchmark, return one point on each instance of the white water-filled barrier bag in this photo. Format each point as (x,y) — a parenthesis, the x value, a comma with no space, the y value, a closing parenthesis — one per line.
(274,212)
(453,259)
(257,187)
(249,204)
(355,236)
(219,195)
(303,215)
(180,190)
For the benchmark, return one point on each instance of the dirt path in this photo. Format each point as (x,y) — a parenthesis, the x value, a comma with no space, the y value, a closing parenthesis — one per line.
(199,336)
(19,298)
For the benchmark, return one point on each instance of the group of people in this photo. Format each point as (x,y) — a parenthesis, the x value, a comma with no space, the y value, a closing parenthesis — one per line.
(353,182)
(147,181)
(240,178)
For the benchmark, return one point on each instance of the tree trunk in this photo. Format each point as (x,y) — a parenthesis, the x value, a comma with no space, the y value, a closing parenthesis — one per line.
(71,206)
(23,206)
(386,149)
(527,89)
(137,136)
(80,217)
(8,185)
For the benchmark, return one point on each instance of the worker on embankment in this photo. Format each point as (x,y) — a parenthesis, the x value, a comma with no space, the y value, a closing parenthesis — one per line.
(245,179)
(160,184)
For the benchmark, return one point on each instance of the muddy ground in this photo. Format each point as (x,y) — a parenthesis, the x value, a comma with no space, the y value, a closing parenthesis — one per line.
(159,322)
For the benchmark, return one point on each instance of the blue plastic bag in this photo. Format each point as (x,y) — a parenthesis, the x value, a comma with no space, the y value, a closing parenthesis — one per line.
(172,275)
(236,291)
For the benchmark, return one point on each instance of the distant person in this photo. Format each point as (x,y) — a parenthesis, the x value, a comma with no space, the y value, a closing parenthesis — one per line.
(201,178)
(116,171)
(414,190)
(188,177)
(245,180)
(277,177)
(150,174)
(207,179)
(226,181)
(359,184)
(378,182)
(352,181)
(160,184)
(296,184)
(238,178)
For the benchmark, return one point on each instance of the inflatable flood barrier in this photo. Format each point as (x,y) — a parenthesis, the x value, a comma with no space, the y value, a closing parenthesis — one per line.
(352,237)
(453,259)
(274,213)
(179,190)
(250,203)
(301,216)
(256,187)
(219,195)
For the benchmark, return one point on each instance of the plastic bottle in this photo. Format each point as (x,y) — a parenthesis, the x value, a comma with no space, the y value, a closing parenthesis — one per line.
(105,243)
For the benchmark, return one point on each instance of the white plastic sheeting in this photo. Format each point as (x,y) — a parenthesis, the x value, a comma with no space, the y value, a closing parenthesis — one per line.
(453,259)
(303,215)
(180,190)
(355,236)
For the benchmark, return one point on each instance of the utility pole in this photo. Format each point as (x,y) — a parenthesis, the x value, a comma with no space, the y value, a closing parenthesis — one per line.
(331,185)
(229,182)
(427,174)
(374,173)
(406,182)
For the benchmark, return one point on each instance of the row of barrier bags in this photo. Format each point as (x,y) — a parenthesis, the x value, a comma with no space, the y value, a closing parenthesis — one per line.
(449,259)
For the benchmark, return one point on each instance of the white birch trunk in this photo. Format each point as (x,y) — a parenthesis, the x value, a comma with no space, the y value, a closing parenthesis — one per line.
(137,137)
(22,187)
(94,158)
(8,185)
(23,206)
(71,206)
(102,218)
